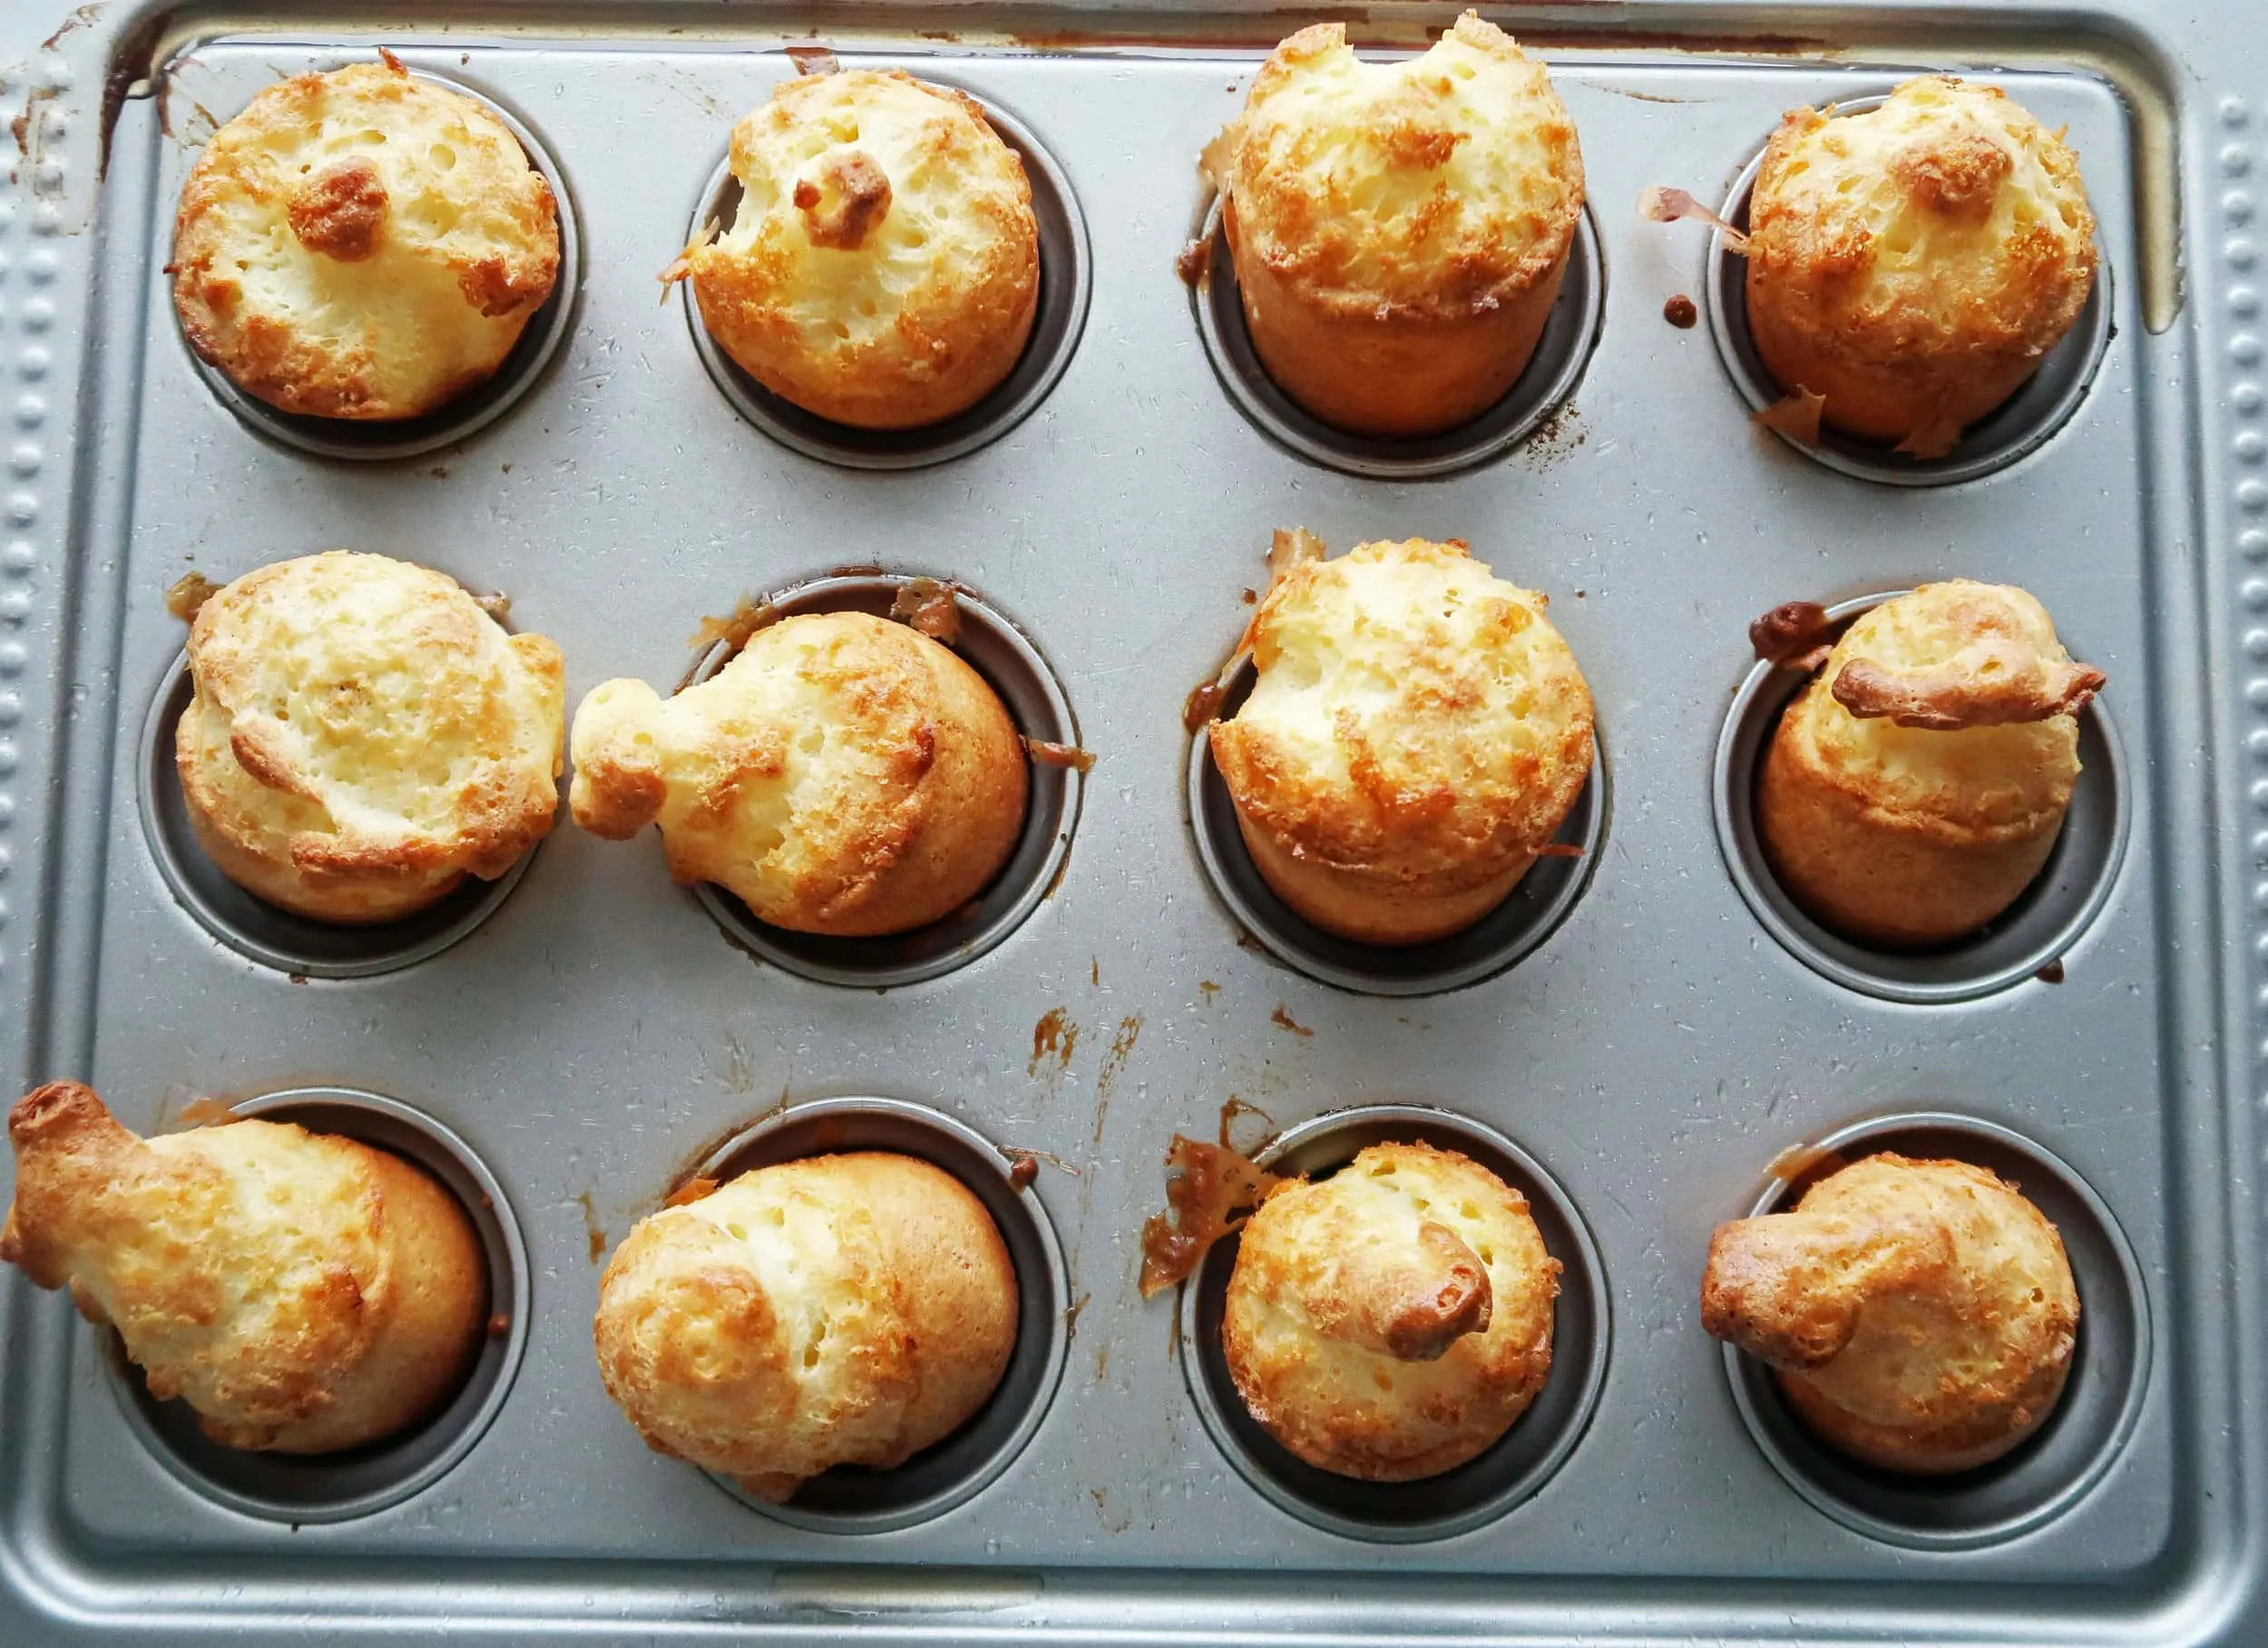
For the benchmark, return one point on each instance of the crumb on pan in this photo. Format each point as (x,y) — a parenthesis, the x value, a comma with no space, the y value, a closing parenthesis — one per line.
(1210,1191)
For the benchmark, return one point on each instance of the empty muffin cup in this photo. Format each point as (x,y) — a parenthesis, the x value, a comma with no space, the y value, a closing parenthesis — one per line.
(265,932)
(2023,423)
(853,1500)
(1552,373)
(361,1481)
(1013,668)
(1513,931)
(1066,283)
(477,407)
(1507,1473)
(2051,1470)
(2070,892)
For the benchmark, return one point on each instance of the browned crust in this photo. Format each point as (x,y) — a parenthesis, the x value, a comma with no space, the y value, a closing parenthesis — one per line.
(1307,244)
(1954,696)
(856,198)
(340,211)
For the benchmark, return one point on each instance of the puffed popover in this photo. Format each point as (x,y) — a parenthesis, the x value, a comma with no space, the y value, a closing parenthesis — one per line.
(841,775)
(1913,263)
(302,1292)
(1391,1321)
(843,1309)
(1914,789)
(1399,230)
(362,244)
(882,268)
(363,736)
(1920,1315)
(1417,731)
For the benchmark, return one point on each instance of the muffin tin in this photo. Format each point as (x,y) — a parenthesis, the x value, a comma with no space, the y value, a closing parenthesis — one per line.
(1655,1045)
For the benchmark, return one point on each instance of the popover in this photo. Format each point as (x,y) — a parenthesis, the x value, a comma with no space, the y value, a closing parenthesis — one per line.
(1921,1316)
(1416,732)
(883,267)
(302,1292)
(843,1309)
(1399,230)
(841,775)
(362,737)
(1915,787)
(362,244)
(1393,1321)
(1913,263)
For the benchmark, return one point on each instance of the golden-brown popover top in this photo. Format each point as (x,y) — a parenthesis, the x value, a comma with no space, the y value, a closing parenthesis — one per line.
(842,1310)
(1950,710)
(304,1293)
(362,244)
(1922,1313)
(882,268)
(1946,219)
(841,773)
(1434,187)
(1392,1320)
(1413,715)
(362,734)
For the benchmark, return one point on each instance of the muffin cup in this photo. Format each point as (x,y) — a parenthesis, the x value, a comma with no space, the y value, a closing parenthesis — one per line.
(855,1500)
(1014,669)
(2030,399)
(2057,899)
(1399,377)
(1513,1469)
(2057,1464)
(359,1481)
(201,879)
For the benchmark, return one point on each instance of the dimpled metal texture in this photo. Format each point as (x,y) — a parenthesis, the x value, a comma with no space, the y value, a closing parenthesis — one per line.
(598,1033)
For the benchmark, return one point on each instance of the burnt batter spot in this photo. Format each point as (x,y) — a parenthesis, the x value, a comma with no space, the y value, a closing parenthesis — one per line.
(1285,1021)
(1682,313)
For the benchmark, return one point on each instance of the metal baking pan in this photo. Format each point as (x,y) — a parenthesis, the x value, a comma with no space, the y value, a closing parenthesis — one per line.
(1645,1042)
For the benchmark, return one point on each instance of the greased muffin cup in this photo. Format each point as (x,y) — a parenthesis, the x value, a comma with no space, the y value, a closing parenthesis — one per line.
(1399,231)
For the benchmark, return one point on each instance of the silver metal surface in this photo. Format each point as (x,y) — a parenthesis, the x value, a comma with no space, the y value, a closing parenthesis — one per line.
(1657,1052)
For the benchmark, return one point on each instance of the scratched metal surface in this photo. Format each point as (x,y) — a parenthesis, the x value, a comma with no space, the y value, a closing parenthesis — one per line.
(1654,1055)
